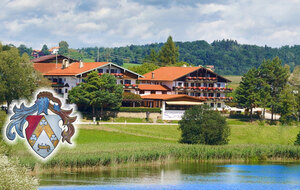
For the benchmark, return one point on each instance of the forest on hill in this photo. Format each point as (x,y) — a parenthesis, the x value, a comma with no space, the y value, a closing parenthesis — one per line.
(227,56)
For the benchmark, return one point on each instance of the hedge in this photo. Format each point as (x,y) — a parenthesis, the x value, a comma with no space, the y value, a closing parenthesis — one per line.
(139,109)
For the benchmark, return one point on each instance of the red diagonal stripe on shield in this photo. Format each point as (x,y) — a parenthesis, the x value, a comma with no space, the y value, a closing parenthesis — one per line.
(33,121)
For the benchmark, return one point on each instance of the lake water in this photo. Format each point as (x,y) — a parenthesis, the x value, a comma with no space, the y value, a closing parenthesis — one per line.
(182,176)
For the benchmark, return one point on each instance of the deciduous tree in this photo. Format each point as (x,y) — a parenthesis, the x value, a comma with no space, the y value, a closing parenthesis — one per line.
(202,125)
(63,48)
(98,92)
(18,77)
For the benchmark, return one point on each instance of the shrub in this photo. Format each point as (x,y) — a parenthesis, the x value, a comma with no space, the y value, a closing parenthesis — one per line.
(139,109)
(202,125)
(14,176)
(297,142)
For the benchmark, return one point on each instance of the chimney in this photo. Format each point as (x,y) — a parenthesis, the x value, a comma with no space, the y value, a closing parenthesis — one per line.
(152,75)
(80,64)
(65,63)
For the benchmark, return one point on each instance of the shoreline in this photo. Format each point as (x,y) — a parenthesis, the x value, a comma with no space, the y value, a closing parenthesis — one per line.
(39,170)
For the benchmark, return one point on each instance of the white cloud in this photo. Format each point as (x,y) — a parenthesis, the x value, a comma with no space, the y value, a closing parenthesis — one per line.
(112,23)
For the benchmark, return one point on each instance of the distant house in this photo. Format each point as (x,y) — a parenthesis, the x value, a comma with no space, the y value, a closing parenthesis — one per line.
(52,59)
(36,53)
(54,50)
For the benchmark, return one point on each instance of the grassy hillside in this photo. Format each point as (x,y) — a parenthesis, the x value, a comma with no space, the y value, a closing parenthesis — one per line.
(115,144)
(127,65)
(235,81)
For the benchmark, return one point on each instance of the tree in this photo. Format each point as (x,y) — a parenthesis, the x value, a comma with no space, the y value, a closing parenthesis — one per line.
(18,77)
(287,105)
(98,92)
(23,49)
(169,53)
(45,50)
(202,125)
(63,48)
(276,76)
(297,142)
(246,94)
(144,68)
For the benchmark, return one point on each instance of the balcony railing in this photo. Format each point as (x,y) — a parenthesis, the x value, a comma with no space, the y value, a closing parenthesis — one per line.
(205,79)
(227,99)
(130,86)
(118,75)
(206,89)
(56,84)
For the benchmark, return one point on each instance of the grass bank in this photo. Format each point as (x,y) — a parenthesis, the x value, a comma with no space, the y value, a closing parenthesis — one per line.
(111,145)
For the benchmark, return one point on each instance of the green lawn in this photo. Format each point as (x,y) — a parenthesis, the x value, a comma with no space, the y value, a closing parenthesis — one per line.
(113,144)
(235,81)
(126,65)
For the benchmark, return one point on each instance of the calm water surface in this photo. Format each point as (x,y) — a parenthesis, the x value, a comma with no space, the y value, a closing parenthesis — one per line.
(182,176)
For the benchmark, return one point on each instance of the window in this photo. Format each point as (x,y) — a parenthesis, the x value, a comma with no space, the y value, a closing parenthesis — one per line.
(107,70)
(198,84)
(127,81)
(179,84)
(152,92)
(211,85)
(205,84)
(219,85)
(192,94)
(219,105)
(164,92)
(100,70)
(66,90)
(114,71)
(192,84)
(205,94)
(212,105)
(218,94)
(142,92)
(65,79)
(211,94)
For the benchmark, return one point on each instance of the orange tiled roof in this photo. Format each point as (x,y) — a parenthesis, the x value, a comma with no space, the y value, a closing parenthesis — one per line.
(74,69)
(153,87)
(51,49)
(168,97)
(45,67)
(169,73)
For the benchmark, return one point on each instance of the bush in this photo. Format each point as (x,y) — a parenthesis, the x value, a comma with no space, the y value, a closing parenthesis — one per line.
(139,109)
(202,125)
(297,142)
(14,176)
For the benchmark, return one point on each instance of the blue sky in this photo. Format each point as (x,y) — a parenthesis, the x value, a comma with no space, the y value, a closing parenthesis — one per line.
(111,23)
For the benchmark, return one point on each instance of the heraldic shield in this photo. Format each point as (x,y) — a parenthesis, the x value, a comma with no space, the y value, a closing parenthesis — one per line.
(43,132)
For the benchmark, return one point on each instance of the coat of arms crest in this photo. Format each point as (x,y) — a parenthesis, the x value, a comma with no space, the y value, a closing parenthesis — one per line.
(43,132)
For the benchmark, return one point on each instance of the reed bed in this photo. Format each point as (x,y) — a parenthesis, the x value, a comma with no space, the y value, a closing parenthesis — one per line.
(150,152)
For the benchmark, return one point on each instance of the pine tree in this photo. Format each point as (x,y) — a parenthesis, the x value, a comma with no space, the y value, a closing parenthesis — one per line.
(169,53)
(45,50)
(276,76)
(247,93)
